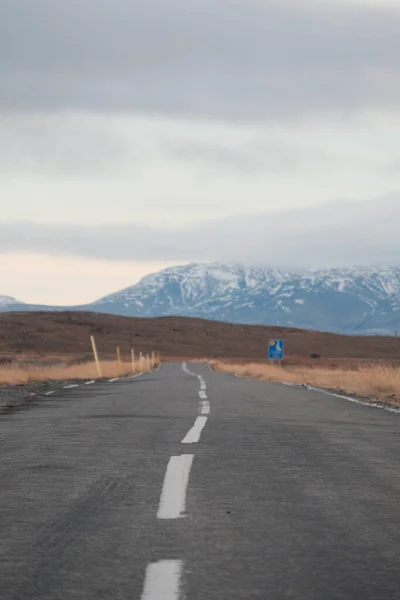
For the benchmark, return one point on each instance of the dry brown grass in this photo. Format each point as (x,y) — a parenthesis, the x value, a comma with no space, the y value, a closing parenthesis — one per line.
(377,382)
(15,374)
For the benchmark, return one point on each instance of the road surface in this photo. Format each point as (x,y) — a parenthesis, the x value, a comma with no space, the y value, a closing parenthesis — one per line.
(190,484)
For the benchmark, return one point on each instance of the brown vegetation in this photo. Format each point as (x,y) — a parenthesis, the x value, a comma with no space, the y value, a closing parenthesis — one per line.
(66,334)
(14,374)
(374,382)
(56,345)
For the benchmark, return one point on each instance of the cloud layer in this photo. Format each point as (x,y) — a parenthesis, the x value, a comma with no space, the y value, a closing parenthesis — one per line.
(225,59)
(332,235)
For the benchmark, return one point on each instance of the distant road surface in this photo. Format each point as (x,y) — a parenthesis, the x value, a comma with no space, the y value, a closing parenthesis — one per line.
(190,484)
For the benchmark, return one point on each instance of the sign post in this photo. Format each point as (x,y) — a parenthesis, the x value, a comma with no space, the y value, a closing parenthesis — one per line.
(276,350)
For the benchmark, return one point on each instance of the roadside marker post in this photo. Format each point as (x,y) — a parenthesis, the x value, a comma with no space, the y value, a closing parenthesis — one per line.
(119,360)
(133,360)
(276,351)
(96,356)
(141,361)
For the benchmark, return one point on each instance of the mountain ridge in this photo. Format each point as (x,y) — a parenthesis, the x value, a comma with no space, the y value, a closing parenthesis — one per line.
(361,300)
(6,300)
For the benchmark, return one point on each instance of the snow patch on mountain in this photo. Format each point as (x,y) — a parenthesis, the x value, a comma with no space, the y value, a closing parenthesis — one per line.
(344,300)
(8,300)
(357,300)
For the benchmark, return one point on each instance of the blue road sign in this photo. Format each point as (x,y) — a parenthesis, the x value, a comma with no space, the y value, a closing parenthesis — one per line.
(276,349)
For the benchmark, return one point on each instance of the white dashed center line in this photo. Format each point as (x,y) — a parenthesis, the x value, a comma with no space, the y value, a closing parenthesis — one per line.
(205,407)
(193,435)
(173,495)
(162,580)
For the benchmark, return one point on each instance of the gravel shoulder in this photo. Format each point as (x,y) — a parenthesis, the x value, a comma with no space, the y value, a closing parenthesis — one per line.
(15,396)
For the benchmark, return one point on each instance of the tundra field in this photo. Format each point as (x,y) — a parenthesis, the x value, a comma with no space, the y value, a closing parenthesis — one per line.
(56,346)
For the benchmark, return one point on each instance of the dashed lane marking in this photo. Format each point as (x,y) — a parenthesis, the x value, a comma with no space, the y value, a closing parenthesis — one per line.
(173,496)
(205,407)
(193,435)
(163,580)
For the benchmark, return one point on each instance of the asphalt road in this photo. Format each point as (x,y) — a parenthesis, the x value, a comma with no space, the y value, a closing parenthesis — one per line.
(203,486)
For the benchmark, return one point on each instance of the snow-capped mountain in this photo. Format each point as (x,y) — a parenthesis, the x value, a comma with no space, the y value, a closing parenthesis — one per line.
(354,300)
(344,300)
(7,301)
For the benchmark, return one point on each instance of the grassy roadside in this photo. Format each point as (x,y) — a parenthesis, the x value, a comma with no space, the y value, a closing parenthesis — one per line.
(374,383)
(15,374)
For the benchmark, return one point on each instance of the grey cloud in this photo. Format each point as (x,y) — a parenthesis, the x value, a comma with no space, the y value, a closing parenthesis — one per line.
(232,157)
(68,145)
(338,234)
(82,145)
(392,168)
(255,156)
(231,59)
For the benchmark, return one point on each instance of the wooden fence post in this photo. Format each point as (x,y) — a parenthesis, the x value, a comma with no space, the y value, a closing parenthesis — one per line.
(119,360)
(96,356)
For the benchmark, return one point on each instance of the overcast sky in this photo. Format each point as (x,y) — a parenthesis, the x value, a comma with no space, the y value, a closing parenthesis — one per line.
(135,134)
